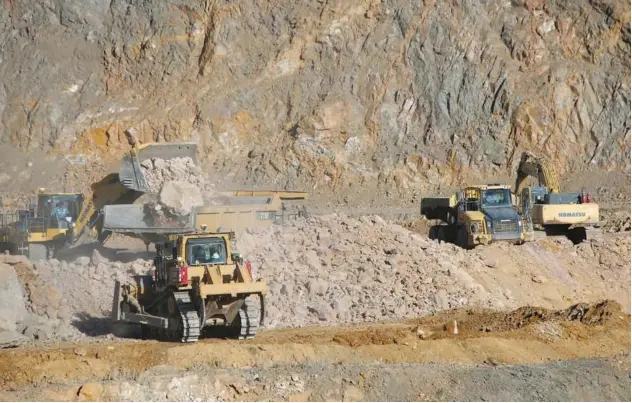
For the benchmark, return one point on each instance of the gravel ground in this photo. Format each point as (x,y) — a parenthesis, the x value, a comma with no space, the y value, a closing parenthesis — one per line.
(575,380)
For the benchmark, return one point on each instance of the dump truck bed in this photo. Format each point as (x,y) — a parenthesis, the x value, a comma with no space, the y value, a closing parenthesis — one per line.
(438,207)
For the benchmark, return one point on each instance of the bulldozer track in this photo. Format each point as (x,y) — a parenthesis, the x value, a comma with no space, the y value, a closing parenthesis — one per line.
(190,330)
(249,316)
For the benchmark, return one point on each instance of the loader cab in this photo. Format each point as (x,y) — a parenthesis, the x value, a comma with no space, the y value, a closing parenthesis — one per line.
(56,212)
(59,211)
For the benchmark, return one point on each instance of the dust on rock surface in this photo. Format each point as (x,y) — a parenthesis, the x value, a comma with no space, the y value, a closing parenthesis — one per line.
(340,269)
(336,268)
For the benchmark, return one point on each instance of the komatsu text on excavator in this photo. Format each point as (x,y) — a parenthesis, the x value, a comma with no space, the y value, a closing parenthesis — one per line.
(544,207)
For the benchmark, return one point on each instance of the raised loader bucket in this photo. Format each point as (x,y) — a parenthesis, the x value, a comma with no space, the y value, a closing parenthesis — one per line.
(131,174)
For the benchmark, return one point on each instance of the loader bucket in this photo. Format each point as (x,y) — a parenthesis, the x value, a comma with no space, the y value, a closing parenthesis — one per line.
(131,174)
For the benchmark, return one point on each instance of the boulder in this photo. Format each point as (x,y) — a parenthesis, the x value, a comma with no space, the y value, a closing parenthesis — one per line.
(12,302)
(179,198)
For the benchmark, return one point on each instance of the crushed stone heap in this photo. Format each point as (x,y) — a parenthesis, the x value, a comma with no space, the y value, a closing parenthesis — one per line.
(336,269)
(158,172)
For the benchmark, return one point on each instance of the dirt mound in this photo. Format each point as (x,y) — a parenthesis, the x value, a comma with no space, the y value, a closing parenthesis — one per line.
(337,269)
(590,314)
(67,301)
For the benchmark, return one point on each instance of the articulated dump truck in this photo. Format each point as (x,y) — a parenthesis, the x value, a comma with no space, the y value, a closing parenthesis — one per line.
(236,214)
(476,215)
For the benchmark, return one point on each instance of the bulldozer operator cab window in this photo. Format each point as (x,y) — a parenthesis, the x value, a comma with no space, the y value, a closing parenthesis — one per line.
(206,251)
(496,197)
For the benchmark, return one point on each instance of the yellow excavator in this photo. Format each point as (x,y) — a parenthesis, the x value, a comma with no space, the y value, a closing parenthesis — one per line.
(544,207)
(59,220)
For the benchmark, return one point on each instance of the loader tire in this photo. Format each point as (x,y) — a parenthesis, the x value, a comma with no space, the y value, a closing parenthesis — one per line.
(37,252)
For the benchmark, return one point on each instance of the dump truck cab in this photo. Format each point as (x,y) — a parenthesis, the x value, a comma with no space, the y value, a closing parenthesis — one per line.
(488,213)
(476,215)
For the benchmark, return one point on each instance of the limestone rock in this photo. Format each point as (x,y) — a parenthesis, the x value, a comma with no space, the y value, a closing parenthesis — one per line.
(179,198)
(12,303)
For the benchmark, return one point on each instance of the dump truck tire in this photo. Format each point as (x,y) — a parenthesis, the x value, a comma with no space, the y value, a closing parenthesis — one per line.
(462,238)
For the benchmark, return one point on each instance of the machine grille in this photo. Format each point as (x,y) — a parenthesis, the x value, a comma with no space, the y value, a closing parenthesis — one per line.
(506,227)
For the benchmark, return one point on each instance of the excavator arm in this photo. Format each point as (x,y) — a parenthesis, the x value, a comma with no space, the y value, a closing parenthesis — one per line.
(532,166)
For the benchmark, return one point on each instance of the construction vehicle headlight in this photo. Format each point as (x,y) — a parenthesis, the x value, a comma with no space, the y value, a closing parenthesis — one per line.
(475,227)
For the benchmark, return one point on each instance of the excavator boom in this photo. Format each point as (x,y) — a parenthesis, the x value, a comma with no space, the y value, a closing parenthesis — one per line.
(532,166)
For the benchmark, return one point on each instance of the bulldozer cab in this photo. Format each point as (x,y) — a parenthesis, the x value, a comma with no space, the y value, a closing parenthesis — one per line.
(206,250)
(192,252)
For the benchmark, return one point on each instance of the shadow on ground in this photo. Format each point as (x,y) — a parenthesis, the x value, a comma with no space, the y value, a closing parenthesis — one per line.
(94,326)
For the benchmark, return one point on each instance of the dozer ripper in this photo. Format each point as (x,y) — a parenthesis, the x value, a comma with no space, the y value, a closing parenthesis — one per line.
(544,207)
(476,215)
(198,281)
(61,220)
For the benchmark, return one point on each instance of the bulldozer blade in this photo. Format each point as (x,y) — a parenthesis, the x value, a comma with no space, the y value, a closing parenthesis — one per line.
(131,174)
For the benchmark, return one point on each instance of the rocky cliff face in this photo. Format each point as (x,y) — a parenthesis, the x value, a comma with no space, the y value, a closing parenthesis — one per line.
(325,94)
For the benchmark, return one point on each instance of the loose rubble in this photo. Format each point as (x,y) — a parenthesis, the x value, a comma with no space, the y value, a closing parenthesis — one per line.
(158,172)
(66,301)
(336,269)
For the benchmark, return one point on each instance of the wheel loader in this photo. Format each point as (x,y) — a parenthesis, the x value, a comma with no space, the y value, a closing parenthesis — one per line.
(61,220)
(476,215)
(198,281)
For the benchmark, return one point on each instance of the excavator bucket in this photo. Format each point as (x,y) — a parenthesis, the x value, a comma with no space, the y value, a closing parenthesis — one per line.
(131,174)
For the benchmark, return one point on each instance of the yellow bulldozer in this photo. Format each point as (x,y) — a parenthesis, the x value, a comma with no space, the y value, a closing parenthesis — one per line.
(198,281)
(544,208)
(476,215)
